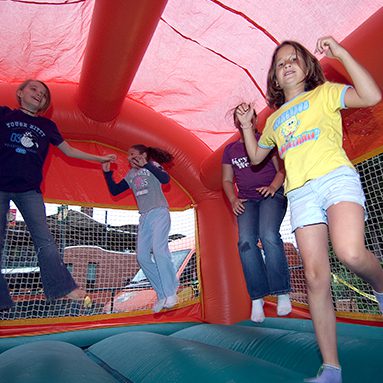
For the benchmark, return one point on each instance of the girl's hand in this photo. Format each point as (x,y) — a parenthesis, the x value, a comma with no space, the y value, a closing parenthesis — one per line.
(108,158)
(245,113)
(139,161)
(267,190)
(238,206)
(106,166)
(330,47)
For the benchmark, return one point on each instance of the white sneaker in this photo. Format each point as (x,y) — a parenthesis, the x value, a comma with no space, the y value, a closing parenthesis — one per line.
(171,301)
(284,305)
(158,305)
(257,313)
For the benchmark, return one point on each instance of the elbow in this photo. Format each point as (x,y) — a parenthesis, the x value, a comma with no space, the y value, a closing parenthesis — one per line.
(375,98)
(165,180)
(114,191)
(378,97)
(255,161)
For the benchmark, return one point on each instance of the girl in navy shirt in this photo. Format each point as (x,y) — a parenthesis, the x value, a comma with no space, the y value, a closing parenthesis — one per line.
(25,137)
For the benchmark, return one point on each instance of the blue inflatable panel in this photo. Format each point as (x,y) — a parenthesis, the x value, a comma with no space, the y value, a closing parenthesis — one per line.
(153,358)
(85,338)
(276,351)
(50,362)
(360,347)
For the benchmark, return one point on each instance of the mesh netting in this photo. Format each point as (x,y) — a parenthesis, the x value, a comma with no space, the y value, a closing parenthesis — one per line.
(350,293)
(98,247)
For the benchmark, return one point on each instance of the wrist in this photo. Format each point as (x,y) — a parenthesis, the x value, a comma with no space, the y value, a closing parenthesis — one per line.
(247,126)
(343,55)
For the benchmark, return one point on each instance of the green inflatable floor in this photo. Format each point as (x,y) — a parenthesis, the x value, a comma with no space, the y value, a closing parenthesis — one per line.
(278,350)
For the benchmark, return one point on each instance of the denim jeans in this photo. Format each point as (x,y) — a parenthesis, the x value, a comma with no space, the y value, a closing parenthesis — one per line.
(55,277)
(262,220)
(153,233)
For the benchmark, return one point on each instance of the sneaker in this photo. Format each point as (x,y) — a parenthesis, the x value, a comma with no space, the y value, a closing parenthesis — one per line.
(327,374)
(284,305)
(171,301)
(257,314)
(158,305)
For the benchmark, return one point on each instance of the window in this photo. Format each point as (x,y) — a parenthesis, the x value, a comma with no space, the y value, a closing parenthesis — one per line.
(69,266)
(91,275)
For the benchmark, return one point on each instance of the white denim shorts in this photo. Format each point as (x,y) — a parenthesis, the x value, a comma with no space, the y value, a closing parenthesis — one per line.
(309,203)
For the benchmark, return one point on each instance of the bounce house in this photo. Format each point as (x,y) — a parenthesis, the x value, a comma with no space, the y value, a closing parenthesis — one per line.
(167,73)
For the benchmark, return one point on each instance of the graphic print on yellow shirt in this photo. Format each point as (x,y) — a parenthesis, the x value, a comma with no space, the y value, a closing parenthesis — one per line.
(308,133)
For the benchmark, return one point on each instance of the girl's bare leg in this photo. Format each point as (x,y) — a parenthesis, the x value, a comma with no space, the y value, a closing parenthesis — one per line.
(313,246)
(346,227)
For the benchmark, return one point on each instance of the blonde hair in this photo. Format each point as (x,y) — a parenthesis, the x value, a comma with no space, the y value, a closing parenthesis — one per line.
(47,94)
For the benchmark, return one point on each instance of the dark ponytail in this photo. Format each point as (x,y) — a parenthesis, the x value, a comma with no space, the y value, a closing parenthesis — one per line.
(159,155)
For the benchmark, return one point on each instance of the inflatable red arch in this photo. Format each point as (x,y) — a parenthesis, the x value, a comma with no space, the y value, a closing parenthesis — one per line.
(96,115)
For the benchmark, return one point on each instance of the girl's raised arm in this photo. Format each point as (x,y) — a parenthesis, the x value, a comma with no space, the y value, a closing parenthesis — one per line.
(366,91)
(244,113)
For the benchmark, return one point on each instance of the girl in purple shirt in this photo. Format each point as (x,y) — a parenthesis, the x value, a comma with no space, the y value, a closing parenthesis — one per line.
(260,207)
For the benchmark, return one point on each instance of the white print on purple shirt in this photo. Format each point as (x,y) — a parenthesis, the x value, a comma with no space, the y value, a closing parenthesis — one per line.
(241,162)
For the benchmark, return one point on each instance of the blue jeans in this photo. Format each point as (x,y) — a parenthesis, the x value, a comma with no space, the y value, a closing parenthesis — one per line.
(262,220)
(153,233)
(55,277)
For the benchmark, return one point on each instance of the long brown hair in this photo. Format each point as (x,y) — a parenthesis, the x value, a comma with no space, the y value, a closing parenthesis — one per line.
(314,77)
(159,155)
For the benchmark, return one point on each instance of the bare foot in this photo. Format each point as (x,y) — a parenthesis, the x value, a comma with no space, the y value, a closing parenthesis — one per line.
(80,295)
(76,294)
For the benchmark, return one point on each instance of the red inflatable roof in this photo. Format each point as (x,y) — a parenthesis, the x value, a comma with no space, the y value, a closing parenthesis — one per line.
(203,58)
(167,73)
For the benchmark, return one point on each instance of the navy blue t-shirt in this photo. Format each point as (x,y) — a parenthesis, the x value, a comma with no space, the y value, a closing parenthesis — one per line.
(24,144)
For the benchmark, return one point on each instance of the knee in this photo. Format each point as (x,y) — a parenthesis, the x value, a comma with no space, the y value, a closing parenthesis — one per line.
(317,280)
(271,237)
(143,257)
(246,245)
(351,256)
(46,247)
(160,249)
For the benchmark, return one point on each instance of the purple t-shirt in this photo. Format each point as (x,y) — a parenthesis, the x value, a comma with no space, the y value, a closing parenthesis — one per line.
(24,144)
(246,176)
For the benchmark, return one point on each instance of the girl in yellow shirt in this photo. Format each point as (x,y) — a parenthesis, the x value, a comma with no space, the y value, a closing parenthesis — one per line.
(322,187)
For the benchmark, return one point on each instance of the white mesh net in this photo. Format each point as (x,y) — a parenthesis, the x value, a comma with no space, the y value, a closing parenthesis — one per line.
(350,293)
(98,246)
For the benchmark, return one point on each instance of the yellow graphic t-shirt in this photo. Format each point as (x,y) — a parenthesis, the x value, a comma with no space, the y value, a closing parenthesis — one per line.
(308,133)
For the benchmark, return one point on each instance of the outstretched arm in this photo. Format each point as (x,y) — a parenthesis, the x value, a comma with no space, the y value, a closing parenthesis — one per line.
(70,151)
(366,91)
(244,113)
(114,188)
